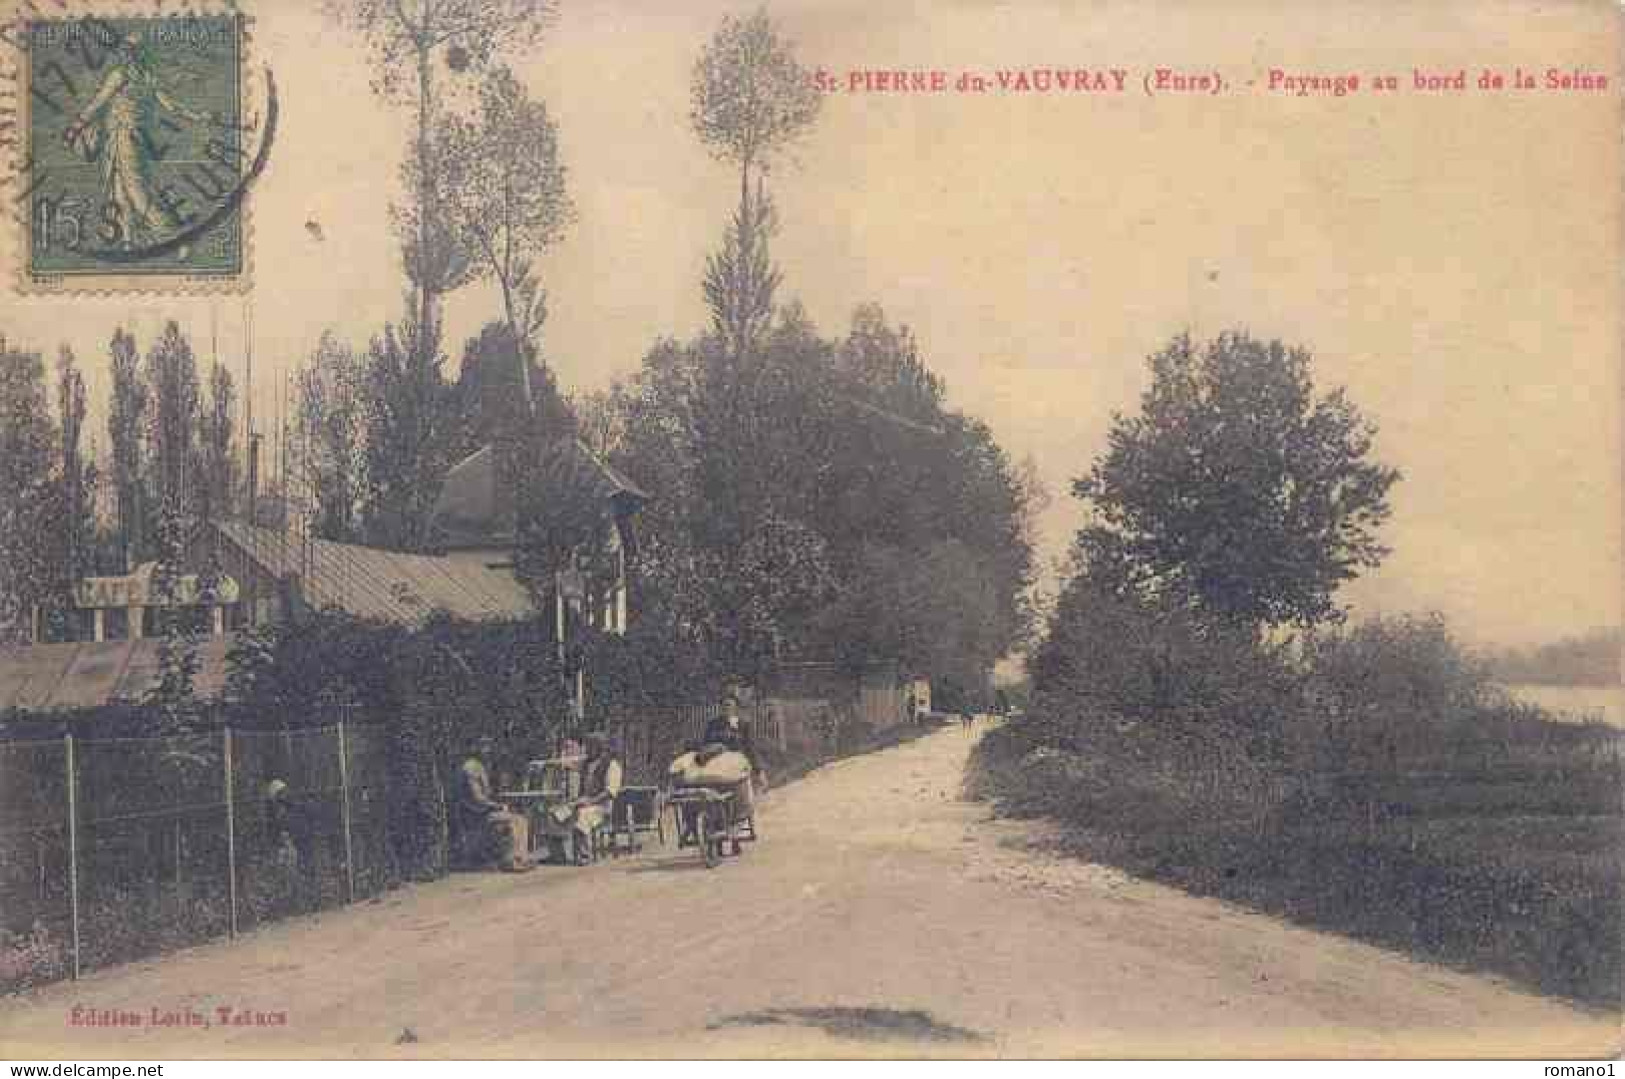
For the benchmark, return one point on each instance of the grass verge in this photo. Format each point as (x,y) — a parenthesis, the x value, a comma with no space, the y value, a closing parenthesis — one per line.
(1508,866)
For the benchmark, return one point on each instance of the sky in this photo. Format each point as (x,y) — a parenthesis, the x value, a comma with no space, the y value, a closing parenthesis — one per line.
(1451,258)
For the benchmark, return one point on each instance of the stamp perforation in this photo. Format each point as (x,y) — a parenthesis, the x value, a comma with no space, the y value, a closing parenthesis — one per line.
(254,104)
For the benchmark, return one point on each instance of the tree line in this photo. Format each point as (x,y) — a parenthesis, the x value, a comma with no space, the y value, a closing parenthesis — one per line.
(813,495)
(170,456)
(1587,659)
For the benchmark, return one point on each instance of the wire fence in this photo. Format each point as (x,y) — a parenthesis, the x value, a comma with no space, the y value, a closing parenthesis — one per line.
(112,849)
(116,848)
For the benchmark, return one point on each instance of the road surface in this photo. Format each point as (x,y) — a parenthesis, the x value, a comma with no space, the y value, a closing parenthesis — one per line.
(879,916)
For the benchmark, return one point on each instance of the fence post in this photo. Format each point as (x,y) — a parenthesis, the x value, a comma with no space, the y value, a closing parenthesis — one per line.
(344,792)
(73,850)
(231,827)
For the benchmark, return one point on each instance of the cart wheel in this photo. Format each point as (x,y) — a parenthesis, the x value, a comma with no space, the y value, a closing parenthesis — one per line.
(709,850)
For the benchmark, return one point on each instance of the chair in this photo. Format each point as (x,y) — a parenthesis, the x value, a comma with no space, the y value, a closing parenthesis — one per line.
(556,780)
(637,811)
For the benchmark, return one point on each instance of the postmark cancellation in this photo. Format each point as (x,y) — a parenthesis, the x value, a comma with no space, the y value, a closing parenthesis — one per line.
(134,141)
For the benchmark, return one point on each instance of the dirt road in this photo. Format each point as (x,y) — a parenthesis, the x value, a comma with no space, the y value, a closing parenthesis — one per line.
(879,915)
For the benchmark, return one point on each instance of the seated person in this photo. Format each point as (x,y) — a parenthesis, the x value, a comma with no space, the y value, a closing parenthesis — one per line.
(601,778)
(489,832)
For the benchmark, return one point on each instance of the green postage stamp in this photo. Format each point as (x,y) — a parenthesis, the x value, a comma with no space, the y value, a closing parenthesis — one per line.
(140,145)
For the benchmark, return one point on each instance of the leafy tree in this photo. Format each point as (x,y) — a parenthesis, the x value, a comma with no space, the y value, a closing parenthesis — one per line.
(491,395)
(172,699)
(771,591)
(749,97)
(884,363)
(126,423)
(1034,496)
(563,522)
(1126,655)
(332,413)
(76,477)
(838,459)
(928,608)
(740,281)
(172,388)
(601,419)
(916,488)
(504,194)
(406,39)
(28,446)
(411,433)
(762,425)
(1389,686)
(1236,489)
(750,100)
(217,446)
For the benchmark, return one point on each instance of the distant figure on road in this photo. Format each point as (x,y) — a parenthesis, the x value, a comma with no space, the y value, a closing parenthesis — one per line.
(487,831)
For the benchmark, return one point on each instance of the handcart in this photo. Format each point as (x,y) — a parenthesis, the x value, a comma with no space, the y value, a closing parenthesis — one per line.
(708,818)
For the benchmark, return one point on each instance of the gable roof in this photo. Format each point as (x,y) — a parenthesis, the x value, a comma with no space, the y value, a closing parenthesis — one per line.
(469,511)
(387,585)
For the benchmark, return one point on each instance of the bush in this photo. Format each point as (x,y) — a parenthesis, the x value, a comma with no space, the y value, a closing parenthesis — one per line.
(32,958)
(1374,783)
(1389,691)
(1111,655)
(650,666)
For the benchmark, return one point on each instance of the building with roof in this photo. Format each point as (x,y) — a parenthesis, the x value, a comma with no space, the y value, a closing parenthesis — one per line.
(248,574)
(280,573)
(475,521)
(470,574)
(88,674)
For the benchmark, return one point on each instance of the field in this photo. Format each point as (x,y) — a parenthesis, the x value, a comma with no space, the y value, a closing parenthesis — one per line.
(1495,848)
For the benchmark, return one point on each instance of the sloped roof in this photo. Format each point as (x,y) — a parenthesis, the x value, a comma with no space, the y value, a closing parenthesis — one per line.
(43,677)
(469,513)
(466,512)
(386,585)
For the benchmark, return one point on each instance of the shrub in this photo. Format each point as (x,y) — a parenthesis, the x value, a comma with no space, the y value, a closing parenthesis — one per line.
(1390,690)
(1110,654)
(1373,781)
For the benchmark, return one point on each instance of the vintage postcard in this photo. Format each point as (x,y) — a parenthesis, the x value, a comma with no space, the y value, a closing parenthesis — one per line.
(804,528)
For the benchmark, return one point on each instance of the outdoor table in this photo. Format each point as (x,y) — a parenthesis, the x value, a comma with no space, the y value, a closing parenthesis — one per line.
(531,804)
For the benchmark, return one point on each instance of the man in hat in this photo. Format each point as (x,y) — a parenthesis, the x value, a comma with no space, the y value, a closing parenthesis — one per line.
(488,830)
